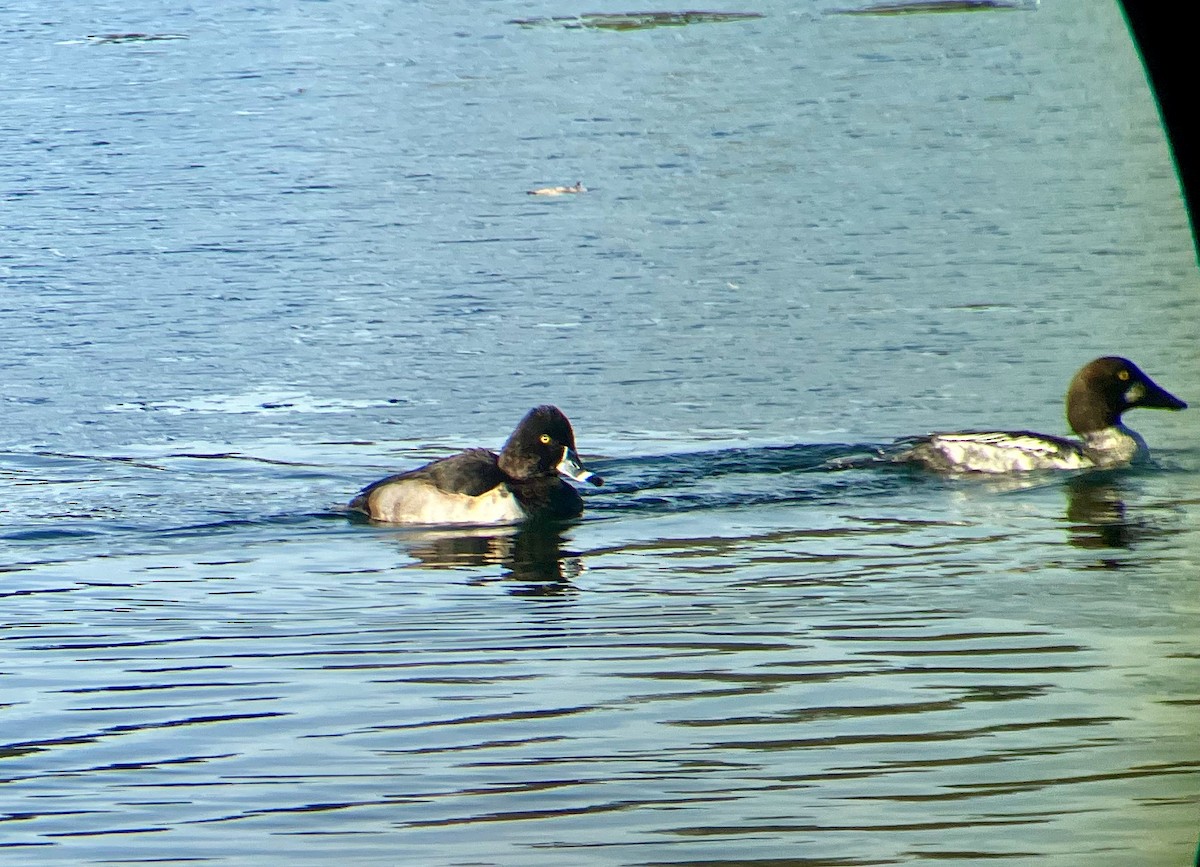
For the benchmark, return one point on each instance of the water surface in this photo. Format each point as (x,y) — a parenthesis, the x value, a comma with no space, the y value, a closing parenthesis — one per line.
(251,269)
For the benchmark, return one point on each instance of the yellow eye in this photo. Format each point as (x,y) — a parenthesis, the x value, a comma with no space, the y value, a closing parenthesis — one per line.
(1123,375)
(545,438)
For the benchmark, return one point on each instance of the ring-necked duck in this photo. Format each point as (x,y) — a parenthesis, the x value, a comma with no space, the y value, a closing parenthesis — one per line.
(1099,393)
(478,486)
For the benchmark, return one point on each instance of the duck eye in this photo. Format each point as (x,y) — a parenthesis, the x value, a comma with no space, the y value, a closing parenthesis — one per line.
(545,439)
(1123,375)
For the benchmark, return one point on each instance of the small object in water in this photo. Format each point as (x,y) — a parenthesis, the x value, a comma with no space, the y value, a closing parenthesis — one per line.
(916,7)
(116,38)
(558,191)
(634,20)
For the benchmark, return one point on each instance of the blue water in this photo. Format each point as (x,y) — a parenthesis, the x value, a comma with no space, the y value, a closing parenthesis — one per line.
(260,255)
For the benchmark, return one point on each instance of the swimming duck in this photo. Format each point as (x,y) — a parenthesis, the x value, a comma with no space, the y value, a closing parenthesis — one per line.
(1099,393)
(558,191)
(478,486)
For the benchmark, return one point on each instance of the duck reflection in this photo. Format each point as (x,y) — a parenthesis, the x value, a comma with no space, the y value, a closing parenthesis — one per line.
(1096,513)
(532,554)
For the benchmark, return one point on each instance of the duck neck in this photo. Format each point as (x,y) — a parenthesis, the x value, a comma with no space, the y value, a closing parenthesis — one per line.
(1114,445)
(1087,417)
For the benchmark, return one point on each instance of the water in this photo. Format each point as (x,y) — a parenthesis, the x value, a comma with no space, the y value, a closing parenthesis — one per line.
(252,269)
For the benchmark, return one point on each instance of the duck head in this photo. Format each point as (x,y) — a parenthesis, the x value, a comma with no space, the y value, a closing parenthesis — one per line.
(1108,386)
(544,444)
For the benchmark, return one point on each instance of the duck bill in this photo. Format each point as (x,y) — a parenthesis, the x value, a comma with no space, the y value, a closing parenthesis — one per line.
(571,467)
(1152,396)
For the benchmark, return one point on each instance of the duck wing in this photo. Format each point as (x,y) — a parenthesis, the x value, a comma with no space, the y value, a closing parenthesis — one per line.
(473,472)
(994,452)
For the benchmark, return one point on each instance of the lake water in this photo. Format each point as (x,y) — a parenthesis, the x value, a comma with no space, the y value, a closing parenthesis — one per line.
(250,270)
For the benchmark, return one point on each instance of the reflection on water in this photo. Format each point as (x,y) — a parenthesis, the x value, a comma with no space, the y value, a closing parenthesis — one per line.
(1096,513)
(530,554)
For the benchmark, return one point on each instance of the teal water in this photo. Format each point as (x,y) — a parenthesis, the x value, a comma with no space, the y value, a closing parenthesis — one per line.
(252,269)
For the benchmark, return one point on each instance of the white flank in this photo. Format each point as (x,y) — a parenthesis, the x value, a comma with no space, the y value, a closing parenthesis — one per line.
(418,503)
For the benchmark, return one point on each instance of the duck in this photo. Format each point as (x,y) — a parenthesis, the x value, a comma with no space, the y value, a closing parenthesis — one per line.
(480,487)
(558,191)
(1099,393)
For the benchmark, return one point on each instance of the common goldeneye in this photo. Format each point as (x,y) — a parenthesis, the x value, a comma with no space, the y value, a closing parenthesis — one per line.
(478,486)
(1099,393)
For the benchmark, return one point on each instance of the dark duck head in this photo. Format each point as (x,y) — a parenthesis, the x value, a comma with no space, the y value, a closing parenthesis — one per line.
(1105,388)
(542,445)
